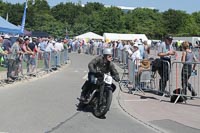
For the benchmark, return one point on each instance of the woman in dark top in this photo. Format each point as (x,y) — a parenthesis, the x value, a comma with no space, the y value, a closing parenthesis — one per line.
(188,58)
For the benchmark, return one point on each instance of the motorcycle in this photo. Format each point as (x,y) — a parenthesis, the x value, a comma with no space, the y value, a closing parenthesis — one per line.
(99,97)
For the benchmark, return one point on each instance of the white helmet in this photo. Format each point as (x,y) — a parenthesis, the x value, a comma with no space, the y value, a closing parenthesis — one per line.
(107,51)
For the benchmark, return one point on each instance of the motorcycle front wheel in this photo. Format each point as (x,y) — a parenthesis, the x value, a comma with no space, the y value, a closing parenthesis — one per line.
(100,110)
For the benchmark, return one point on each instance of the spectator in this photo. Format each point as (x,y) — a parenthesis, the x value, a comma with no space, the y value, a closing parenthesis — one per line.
(28,52)
(179,45)
(136,53)
(65,46)
(197,45)
(13,58)
(49,48)
(165,51)
(127,46)
(141,48)
(6,43)
(136,59)
(58,46)
(2,52)
(120,48)
(33,47)
(188,58)
(146,50)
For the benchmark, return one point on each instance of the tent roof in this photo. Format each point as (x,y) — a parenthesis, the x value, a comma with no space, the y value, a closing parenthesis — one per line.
(7,27)
(116,36)
(89,35)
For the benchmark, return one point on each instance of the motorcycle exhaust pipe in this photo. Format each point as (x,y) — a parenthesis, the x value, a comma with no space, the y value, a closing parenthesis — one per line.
(91,96)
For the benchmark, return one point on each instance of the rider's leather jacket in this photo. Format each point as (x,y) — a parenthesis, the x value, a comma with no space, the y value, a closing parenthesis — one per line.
(99,64)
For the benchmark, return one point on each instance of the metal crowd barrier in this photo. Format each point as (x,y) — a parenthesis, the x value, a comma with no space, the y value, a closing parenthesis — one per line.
(125,57)
(44,62)
(115,53)
(196,51)
(146,80)
(119,55)
(165,73)
(134,78)
(127,77)
(149,81)
(179,80)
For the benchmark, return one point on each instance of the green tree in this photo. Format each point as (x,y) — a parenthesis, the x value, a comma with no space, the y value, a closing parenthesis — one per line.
(2,8)
(173,21)
(111,19)
(89,8)
(79,28)
(66,12)
(145,21)
(196,17)
(40,6)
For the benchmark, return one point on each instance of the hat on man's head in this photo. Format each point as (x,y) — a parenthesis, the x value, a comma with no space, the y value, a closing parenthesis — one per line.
(135,45)
(20,40)
(26,38)
(168,37)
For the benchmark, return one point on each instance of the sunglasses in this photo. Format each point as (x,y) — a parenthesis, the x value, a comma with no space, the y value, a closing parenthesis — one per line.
(109,56)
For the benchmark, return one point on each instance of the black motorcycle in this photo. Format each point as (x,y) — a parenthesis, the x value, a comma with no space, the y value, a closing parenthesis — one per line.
(99,97)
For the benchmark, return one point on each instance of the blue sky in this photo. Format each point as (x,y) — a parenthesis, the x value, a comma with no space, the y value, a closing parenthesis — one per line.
(189,6)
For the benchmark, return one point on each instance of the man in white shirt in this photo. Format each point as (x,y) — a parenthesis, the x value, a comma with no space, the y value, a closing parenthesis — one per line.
(48,50)
(58,46)
(127,46)
(136,60)
(136,53)
(120,48)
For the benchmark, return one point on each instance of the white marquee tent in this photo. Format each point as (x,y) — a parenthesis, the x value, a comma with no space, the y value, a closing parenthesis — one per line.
(89,35)
(116,36)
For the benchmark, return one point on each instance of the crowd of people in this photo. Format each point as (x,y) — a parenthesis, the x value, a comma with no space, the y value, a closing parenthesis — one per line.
(29,50)
(138,51)
(25,49)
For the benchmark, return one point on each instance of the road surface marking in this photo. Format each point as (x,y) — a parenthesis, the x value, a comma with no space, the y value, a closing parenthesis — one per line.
(136,100)
(85,77)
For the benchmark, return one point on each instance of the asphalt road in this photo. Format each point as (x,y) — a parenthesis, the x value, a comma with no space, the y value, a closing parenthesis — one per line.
(48,105)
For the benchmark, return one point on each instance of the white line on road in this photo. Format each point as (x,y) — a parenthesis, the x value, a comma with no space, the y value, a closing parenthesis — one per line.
(136,100)
(85,77)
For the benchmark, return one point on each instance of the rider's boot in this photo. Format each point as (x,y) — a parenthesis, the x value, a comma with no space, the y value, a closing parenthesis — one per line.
(84,91)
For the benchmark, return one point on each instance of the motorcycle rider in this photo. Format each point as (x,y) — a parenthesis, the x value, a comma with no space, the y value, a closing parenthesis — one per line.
(97,67)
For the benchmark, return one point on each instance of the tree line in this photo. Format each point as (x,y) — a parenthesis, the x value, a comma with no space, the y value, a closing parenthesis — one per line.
(78,19)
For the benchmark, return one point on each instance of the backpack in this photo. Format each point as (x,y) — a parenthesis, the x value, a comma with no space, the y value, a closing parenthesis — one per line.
(174,97)
(156,64)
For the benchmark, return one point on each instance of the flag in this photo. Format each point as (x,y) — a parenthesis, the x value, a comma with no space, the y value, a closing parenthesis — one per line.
(67,36)
(7,17)
(24,17)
